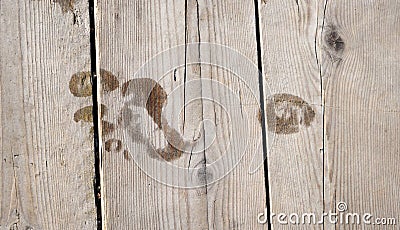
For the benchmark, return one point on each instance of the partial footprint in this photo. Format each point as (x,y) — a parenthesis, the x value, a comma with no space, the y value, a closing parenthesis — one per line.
(286,113)
(80,86)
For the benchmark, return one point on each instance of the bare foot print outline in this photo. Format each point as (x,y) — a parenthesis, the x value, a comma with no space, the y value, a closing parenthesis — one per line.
(145,93)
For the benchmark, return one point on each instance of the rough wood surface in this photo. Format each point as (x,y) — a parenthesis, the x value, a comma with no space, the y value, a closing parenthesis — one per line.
(130,33)
(333,110)
(46,158)
(360,64)
(290,69)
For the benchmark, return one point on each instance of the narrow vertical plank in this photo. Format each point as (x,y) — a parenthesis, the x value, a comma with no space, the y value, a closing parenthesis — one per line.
(290,66)
(360,47)
(235,201)
(130,34)
(46,158)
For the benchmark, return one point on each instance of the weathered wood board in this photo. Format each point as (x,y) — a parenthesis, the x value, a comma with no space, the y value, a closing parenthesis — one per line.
(333,110)
(291,71)
(361,68)
(130,34)
(46,158)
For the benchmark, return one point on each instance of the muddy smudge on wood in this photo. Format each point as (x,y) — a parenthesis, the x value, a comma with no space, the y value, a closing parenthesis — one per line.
(113,145)
(155,103)
(259,116)
(107,128)
(80,84)
(86,113)
(108,81)
(169,153)
(127,156)
(66,5)
(147,93)
(286,113)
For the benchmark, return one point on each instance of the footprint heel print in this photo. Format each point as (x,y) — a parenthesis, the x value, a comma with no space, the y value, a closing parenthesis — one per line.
(287,113)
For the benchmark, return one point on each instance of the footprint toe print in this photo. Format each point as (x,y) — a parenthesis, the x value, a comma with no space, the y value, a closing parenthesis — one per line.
(145,93)
(80,86)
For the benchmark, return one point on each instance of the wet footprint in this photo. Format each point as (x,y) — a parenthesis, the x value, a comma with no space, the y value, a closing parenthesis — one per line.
(286,113)
(143,92)
(80,86)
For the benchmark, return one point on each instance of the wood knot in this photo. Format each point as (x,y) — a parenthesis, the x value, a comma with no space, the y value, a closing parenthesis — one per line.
(204,175)
(333,43)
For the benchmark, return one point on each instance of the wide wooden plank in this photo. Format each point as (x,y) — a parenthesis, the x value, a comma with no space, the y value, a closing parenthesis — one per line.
(130,34)
(360,47)
(46,158)
(290,67)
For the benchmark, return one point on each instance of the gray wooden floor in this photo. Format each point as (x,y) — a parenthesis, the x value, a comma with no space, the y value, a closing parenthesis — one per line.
(198,114)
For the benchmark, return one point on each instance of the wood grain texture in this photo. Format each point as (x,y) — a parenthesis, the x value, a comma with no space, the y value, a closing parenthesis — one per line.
(360,65)
(288,30)
(130,33)
(46,158)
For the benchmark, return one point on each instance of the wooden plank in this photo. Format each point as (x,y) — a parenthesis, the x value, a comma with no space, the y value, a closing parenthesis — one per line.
(46,158)
(290,69)
(231,24)
(130,33)
(360,47)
